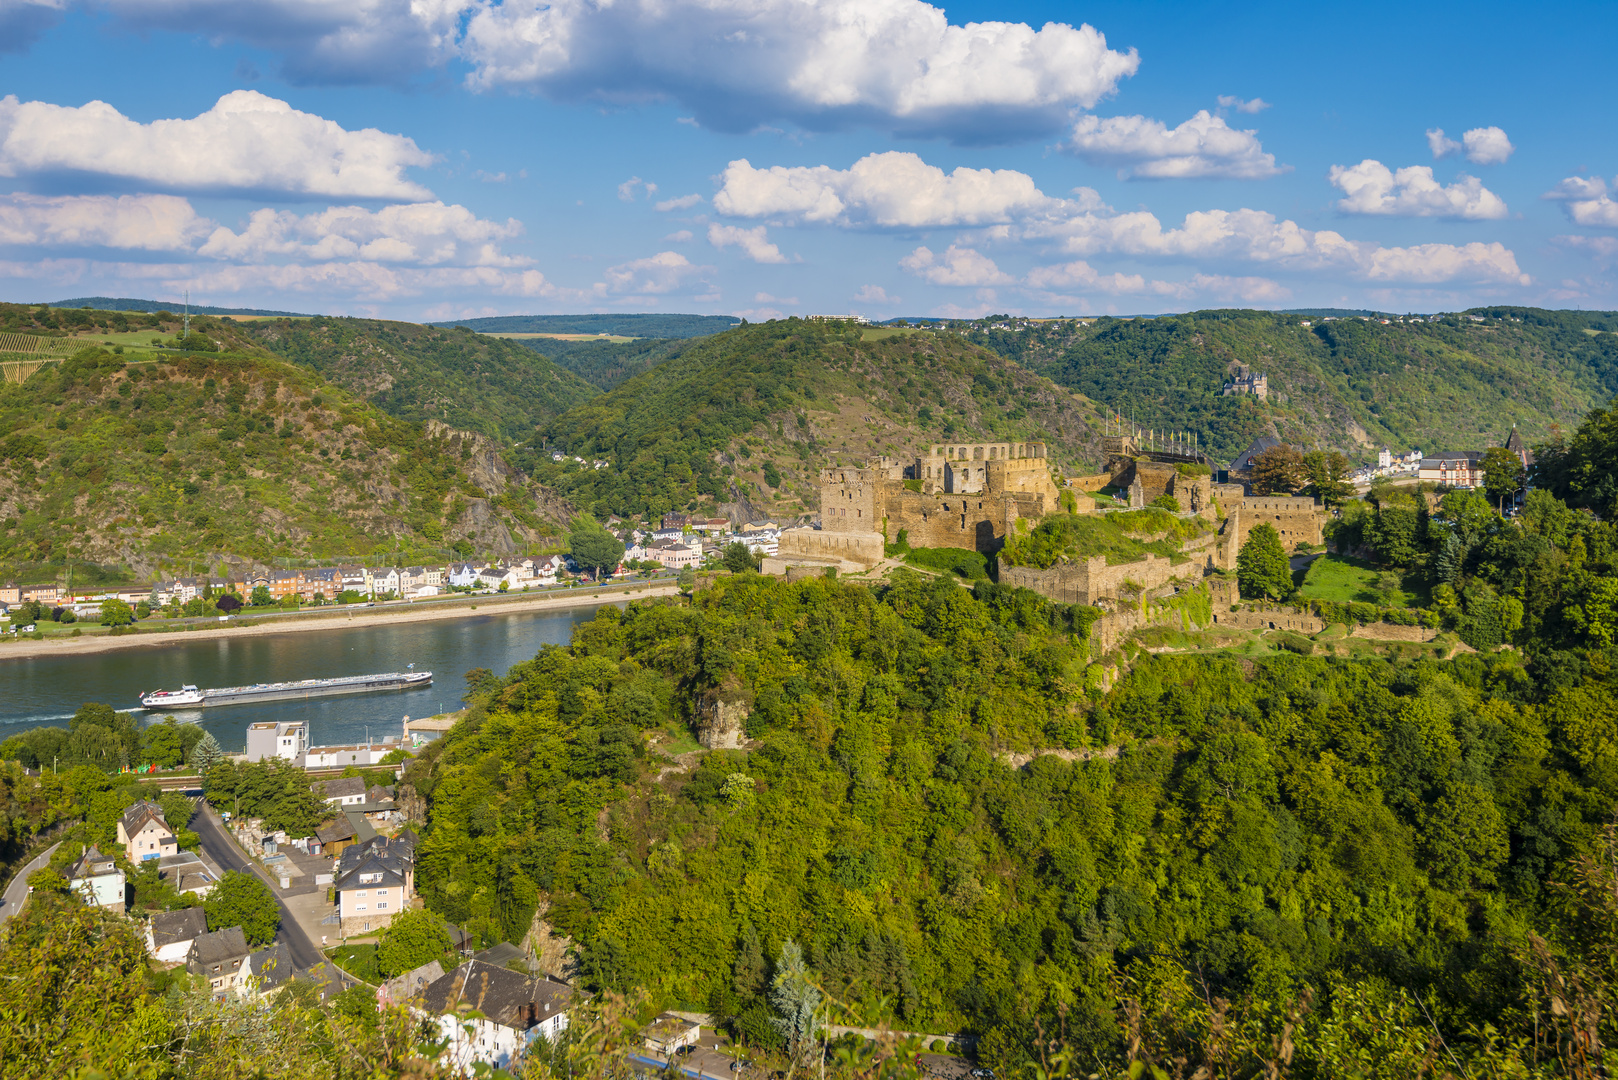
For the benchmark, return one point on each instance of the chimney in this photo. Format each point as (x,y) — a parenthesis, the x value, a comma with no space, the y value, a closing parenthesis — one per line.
(533,1014)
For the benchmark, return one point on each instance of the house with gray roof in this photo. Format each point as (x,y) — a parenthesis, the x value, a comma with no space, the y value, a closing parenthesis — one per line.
(268,970)
(219,957)
(97,878)
(143,834)
(489,1014)
(169,934)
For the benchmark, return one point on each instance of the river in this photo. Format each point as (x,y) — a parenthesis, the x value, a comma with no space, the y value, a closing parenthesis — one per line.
(48,690)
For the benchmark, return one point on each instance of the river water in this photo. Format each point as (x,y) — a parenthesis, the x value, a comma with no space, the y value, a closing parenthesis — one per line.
(48,690)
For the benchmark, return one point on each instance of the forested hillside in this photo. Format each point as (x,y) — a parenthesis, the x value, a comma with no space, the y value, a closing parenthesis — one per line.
(1375,837)
(1349,383)
(606,364)
(469,381)
(183,460)
(754,413)
(626,325)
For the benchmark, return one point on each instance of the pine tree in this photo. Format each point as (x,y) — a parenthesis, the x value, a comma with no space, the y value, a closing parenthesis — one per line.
(206,754)
(1262,569)
(795,999)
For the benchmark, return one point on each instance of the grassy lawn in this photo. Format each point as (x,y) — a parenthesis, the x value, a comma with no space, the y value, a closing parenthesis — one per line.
(878,333)
(679,741)
(358,960)
(1344,580)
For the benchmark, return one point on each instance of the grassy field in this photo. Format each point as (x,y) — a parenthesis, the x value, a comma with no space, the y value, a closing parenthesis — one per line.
(358,960)
(1345,580)
(878,333)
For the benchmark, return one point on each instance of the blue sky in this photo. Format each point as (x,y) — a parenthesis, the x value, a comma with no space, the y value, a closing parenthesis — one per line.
(460,157)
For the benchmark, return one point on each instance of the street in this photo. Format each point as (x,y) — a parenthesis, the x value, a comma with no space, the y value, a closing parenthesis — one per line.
(227,856)
(17,891)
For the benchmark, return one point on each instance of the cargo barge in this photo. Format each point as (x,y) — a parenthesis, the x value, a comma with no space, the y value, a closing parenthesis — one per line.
(189,697)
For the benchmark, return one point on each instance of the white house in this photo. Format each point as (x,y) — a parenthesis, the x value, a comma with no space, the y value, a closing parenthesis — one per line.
(287,739)
(491,1014)
(463,575)
(345,791)
(144,835)
(97,879)
(170,933)
(381,579)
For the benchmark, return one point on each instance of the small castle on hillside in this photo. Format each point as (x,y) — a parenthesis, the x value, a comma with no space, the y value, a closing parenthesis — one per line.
(1247,382)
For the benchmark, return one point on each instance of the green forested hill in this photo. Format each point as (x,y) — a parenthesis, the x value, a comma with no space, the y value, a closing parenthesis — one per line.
(196,458)
(418,373)
(1377,835)
(755,412)
(607,364)
(1348,383)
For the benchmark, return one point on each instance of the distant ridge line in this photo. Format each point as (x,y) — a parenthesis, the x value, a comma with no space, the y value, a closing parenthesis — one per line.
(124,303)
(646,325)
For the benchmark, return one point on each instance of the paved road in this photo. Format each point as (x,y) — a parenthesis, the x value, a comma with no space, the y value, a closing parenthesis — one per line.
(11,903)
(217,842)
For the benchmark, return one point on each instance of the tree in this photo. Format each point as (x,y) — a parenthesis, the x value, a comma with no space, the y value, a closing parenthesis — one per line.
(413,938)
(739,558)
(1503,474)
(261,596)
(206,754)
(1278,471)
(116,613)
(593,547)
(1327,476)
(795,999)
(1262,569)
(240,899)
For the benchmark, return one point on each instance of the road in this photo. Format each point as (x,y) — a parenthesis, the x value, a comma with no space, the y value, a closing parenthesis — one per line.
(11,903)
(216,841)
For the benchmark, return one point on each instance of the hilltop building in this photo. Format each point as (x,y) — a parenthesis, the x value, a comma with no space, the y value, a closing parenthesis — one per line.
(956,495)
(1247,382)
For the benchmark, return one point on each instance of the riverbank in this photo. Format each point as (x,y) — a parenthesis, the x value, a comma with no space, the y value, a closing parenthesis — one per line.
(343,619)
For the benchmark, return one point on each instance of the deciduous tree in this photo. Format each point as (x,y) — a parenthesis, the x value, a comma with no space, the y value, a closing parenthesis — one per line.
(1262,569)
(1278,471)
(240,899)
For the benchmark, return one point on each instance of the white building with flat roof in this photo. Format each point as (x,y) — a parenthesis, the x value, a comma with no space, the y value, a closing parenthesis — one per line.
(287,739)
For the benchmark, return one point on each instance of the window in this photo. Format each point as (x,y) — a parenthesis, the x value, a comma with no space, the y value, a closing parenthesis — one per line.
(359,907)
(360,893)
(382,906)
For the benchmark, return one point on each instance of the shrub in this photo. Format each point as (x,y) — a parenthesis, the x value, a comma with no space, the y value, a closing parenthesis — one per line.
(1167,502)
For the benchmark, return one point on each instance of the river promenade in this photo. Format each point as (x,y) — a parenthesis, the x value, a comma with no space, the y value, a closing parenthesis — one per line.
(336,618)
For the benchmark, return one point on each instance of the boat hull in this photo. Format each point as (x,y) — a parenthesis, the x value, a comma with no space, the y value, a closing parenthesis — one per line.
(312,688)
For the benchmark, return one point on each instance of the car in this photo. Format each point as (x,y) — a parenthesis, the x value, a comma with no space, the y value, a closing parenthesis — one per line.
(738,1066)
(982,1072)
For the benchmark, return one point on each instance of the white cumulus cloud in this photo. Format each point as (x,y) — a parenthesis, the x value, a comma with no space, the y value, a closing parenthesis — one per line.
(956,266)
(1483,146)
(898,64)
(665,272)
(876,296)
(1372,188)
(425,234)
(1257,236)
(1144,148)
(887,190)
(1080,276)
(22,21)
(247,142)
(1231,101)
(129,222)
(752,242)
(684,202)
(1587,200)
(629,189)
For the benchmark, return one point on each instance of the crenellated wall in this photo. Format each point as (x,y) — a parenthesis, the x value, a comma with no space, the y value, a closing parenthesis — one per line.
(1298,520)
(1088,581)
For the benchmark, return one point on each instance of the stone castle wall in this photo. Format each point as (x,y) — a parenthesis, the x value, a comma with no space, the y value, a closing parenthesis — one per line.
(1298,520)
(1088,581)
(848,552)
(1259,618)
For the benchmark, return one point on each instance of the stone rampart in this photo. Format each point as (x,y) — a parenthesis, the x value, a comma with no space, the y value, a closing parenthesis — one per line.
(1087,581)
(1297,520)
(1389,632)
(848,552)
(1265,618)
